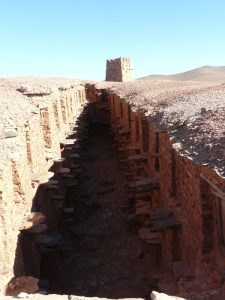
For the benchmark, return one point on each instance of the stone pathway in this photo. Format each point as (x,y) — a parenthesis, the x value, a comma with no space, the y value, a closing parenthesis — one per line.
(108,260)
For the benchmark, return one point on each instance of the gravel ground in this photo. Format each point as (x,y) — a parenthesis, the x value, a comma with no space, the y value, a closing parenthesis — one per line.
(16,108)
(192,112)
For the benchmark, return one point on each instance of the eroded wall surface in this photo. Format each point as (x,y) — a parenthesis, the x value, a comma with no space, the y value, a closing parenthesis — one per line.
(181,217)
(38,116)
(177,197)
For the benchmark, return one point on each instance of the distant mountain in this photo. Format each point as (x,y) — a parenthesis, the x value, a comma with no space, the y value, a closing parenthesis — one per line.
(206,73)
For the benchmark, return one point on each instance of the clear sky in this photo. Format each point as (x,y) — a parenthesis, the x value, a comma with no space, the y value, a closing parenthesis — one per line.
(73,38)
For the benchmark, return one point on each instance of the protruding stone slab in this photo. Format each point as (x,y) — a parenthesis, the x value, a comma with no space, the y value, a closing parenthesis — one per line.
(143,210)
(63,171)
(124,132)
(59,160)
(140,203)
(68,142)
(138,157)
(41,177)
(161,219)
(43,239)
(167,223)
(52,181)
(133,147)
(52,187)
(159,213)
(74,166)
(146,235)
(147,184)
(75,155)
(38,228)
(33,219)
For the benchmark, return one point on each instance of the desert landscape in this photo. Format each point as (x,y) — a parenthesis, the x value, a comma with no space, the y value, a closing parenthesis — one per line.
(113,189)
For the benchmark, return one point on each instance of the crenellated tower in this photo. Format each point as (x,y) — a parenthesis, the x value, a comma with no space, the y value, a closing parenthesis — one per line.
(119,69)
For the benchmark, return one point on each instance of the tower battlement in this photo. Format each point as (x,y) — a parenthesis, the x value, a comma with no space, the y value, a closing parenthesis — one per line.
(119,69)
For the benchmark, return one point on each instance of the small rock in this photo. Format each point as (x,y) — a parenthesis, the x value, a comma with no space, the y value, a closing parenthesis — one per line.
(24,295)
(10,133)
(161,296)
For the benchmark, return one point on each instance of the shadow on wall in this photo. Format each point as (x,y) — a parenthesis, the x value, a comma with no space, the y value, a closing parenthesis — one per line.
(41,241)
(77,240)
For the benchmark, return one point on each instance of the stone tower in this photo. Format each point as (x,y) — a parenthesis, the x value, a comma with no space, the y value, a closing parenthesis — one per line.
(119,69)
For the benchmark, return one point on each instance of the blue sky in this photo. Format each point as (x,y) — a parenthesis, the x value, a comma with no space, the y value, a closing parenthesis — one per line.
(73,38)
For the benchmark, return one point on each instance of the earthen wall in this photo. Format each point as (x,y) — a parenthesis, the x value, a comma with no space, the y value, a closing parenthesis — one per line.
(196,236)
(28,157)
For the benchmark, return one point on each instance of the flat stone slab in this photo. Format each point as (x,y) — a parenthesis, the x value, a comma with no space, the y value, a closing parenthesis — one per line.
(140,203)
(63,171)
(147,180)
(52,182)
(74,166)
(147,184)
(41,177)
(59,160)
(43,239)
(133,147)
(33,219)
(68,176)
(38,228)
(124,132)
(166,223)
(150,237)
(143,210)
(75,155)
(68,141)
(68,147)
(52,187)
(76,146)
(138,157)
(159,213)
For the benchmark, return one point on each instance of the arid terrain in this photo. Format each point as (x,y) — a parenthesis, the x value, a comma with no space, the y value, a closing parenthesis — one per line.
(206,73)
(113,189)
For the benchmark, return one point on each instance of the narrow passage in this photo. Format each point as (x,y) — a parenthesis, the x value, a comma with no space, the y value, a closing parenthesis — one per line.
(108,258)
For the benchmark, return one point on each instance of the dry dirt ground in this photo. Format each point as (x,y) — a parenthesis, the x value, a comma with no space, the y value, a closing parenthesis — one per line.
(108,259)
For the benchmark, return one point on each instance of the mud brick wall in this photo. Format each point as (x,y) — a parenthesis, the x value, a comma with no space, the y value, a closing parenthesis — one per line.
(193,193)
(31,153)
